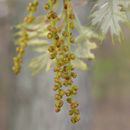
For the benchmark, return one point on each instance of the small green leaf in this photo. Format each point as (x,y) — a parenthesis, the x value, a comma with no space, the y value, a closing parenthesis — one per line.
(49,65)
(41,49)
(38,63)
(79,64)
(38,42)
(84,47)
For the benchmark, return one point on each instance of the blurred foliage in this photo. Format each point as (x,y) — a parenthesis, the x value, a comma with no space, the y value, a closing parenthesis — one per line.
(112,71)
(108,14)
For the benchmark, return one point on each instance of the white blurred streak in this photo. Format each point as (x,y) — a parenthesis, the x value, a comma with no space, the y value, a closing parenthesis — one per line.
(103,5)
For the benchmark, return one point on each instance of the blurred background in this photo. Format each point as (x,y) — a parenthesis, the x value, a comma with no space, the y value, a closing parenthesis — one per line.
(26,102)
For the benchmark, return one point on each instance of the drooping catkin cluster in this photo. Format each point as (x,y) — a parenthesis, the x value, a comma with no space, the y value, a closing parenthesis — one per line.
(32,7)
(61,39)
(61,51)
(22,41)
(19,58)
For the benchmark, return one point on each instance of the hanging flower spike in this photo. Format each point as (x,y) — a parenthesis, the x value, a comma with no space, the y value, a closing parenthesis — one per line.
(61,52)
(22,41)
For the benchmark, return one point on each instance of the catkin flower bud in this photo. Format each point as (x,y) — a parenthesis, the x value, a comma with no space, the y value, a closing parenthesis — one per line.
(57,110)
(46,6)
(68,93)
(49,35)
(57,97)
(70,112)
(55,87)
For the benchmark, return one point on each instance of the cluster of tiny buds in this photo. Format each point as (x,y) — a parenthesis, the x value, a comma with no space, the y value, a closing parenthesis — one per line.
(22,41)
(60,50)
(18,59)
(64,70)
(32,7)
